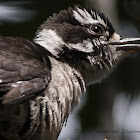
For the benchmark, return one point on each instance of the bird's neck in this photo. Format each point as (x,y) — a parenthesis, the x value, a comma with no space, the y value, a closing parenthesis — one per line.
(69,78)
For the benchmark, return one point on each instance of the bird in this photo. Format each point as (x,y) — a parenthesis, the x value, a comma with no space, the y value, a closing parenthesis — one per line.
(43,79)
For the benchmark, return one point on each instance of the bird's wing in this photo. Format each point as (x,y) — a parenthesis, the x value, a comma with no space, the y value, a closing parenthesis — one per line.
(24,70)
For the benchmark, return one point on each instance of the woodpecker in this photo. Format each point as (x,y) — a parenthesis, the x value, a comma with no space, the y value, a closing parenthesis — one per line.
(42,80)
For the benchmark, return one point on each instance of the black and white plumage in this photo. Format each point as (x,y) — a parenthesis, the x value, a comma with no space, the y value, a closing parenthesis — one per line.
(41,81)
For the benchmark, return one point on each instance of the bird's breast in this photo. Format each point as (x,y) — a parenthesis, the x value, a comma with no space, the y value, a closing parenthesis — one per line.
(63,93)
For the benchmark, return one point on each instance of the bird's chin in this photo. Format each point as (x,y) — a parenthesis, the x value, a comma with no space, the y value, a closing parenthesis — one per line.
(97,75)
(93,71)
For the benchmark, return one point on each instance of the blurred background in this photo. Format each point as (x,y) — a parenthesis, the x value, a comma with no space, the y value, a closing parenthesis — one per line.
(110,109)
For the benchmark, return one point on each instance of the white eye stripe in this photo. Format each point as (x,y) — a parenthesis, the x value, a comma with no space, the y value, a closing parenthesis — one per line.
(87,13)
(84,17)
(101,20)
(81,12)
(78,17)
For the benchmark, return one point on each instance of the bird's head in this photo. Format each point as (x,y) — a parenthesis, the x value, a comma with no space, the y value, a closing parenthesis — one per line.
(85,39)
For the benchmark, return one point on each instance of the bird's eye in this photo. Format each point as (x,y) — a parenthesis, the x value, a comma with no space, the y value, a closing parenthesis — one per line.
(97,29)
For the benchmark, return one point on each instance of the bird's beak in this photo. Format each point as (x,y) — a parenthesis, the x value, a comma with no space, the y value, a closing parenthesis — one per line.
(127,44)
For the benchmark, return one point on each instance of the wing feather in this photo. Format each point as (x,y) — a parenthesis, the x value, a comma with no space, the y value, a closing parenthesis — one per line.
(24,70)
